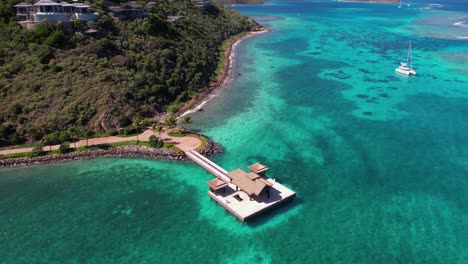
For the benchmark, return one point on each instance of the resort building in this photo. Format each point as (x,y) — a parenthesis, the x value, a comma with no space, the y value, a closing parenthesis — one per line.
(202,3)
(50,11)
(251,183)
(129,11)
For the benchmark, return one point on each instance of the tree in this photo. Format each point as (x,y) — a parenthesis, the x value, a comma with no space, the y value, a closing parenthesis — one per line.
(64,136)
(64,148)
(137,124)
(86,133)
(172,109)
(38,150)
(186,121)
(159,129)
(155,142)
(171,122)
(73,135)
(50,139)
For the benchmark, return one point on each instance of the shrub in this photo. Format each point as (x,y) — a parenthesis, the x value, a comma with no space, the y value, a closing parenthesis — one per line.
(129,130)
(64,148)
(112,131)
(101,146)
(123,120)
(64,136)
(155,142)
(57,39)
(77,24)
(16,109)
(38,150)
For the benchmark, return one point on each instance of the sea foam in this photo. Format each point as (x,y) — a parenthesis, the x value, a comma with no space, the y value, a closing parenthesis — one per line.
(460,24)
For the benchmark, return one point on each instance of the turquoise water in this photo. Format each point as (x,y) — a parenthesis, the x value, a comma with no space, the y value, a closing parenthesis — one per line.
(379,161)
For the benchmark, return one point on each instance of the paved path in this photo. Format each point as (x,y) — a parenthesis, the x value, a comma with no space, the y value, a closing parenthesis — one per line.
(184,143)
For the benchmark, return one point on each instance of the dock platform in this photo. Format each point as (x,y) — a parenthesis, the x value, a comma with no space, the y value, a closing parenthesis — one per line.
(248,208)
(243,194)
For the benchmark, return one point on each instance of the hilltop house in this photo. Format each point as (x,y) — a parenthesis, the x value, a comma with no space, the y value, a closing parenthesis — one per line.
(129,11)
(50,11)
(202,3)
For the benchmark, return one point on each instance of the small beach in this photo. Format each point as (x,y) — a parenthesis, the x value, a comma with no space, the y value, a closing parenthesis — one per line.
(197,103)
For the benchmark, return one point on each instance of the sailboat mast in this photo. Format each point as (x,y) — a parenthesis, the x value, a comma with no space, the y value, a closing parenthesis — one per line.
(410,56)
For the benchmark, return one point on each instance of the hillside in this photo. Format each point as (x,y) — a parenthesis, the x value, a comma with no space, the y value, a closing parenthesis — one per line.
(53,79)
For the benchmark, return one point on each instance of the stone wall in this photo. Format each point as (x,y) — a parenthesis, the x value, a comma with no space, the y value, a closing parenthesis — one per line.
(122,151)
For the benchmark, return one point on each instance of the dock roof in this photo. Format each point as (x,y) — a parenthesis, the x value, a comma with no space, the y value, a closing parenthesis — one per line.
(258,168)
(250,183)
(217,184)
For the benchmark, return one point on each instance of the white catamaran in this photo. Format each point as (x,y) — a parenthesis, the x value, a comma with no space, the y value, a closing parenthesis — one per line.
(403,68)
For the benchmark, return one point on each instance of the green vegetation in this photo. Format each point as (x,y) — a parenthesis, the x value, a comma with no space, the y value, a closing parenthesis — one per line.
(203,141)
(52,79)
(155,142)
(38,150)
(176,149)
(176,134)
(186,121)
(18,155)
(171,122)
(64,148)
(34,153)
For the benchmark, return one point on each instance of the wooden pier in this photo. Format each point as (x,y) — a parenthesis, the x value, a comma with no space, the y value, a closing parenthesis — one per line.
(244,194)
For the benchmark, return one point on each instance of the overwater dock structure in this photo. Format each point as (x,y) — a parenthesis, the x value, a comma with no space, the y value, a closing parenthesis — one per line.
(244,194)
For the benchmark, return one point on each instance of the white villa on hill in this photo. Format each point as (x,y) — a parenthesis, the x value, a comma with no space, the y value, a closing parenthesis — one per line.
(202,3)
(50,11)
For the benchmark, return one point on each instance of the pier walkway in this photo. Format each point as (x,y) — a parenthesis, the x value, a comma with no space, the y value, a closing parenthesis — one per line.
(242,194)
(208,165)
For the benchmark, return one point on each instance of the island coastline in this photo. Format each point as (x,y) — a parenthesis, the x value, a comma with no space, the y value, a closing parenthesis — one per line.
(196,103)
(135,151)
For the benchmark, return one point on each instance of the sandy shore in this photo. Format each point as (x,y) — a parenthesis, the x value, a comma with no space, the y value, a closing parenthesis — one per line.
(197,103)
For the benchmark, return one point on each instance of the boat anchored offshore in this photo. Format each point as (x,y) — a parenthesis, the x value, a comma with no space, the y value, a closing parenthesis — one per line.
(403,68)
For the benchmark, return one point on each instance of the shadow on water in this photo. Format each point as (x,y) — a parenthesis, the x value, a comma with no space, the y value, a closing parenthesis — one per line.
(277,211)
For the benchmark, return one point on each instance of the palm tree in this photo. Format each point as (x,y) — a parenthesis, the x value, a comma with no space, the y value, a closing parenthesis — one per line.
(86,133)
(186,121)
(72,131)
(171,122)
(172,109)
(137,124)
(48,141)
(153,128)
(159,129)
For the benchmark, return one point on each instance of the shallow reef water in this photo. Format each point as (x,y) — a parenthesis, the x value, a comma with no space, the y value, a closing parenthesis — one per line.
(379,161)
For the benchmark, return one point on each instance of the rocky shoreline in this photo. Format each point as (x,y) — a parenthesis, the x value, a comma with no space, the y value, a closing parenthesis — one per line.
(131,151)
